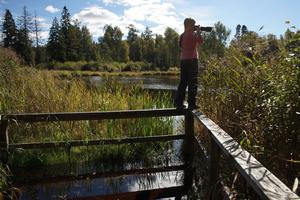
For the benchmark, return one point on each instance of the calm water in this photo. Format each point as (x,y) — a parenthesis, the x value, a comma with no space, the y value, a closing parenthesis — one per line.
(153,83)
(47,188)
(103,186)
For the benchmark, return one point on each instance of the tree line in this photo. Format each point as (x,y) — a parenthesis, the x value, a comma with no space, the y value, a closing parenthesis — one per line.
(69,41)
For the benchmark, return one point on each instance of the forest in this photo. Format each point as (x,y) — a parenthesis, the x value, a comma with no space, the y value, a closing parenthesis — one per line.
(70,46)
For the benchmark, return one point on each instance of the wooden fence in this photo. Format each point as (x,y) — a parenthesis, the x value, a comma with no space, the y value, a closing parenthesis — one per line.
(264,183)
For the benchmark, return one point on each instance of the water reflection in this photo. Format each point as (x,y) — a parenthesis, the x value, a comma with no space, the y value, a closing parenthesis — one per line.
(153,82)
(97,178)
(102,186)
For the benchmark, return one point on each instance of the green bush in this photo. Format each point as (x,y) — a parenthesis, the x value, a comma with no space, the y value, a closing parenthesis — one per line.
(99,66)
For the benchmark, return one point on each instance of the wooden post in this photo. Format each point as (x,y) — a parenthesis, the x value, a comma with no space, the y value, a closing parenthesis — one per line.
(213,170)
(189,150)
(4,141)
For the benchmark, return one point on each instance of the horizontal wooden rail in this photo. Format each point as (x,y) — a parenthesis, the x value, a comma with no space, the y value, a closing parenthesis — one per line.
(264,183)
(159,193)
(157,138)
(94,175)
(77,116)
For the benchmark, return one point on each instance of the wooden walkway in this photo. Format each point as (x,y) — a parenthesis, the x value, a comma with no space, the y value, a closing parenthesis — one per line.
(265,184)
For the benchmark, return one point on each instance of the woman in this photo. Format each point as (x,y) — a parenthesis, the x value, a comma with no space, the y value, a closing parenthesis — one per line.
(189,41)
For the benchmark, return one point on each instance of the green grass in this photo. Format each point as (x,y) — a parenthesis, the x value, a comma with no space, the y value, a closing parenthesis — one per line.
(27,90)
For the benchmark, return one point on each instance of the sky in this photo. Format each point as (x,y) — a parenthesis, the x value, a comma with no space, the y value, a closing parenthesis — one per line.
(159,14)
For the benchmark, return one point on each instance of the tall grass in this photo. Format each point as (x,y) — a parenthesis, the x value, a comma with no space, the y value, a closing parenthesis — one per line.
(7,191)
(27,90)
(257,101)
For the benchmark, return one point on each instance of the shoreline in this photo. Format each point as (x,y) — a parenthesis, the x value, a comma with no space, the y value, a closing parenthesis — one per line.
(66,73)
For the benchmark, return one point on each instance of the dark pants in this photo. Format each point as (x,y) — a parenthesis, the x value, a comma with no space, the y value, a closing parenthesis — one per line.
(188,78)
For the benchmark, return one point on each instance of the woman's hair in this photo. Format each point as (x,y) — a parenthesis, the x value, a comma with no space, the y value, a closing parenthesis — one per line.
(189,21)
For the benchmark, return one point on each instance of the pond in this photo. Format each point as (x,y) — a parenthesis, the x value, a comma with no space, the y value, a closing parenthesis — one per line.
(147,82)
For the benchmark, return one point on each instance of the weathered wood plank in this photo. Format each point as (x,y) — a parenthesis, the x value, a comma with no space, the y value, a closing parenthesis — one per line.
(76,116)
(214,165)
(189,150)
(157,138)
(141,195)
(266,184)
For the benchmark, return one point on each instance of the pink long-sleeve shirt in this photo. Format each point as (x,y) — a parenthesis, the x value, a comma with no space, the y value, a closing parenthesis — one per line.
(188,45)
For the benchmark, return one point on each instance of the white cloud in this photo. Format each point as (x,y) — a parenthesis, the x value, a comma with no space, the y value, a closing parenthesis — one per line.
(43,37)
(52,9)
(95,18)
(42,22)
(131,2)
(44,25)
(39,19)
(157,14)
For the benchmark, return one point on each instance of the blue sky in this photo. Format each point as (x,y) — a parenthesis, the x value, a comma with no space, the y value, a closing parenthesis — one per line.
(158,14)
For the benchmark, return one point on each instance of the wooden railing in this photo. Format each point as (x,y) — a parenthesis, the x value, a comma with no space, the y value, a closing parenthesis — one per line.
(79,116)
(264,183)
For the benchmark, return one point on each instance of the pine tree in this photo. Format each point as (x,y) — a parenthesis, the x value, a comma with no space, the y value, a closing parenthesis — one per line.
(244,30)
(24,43)
(9,30)
(73,42)
(65,21)
(37,30)
(148,46)
(86,45)
(65,24)
(54,46)
(238,31)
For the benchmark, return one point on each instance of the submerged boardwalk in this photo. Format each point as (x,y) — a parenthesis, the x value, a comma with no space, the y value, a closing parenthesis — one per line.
(196,125)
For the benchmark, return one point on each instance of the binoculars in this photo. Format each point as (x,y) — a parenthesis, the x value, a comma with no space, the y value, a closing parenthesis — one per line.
(203,28)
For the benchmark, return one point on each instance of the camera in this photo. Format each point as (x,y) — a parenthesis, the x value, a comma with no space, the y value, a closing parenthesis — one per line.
(203,28)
